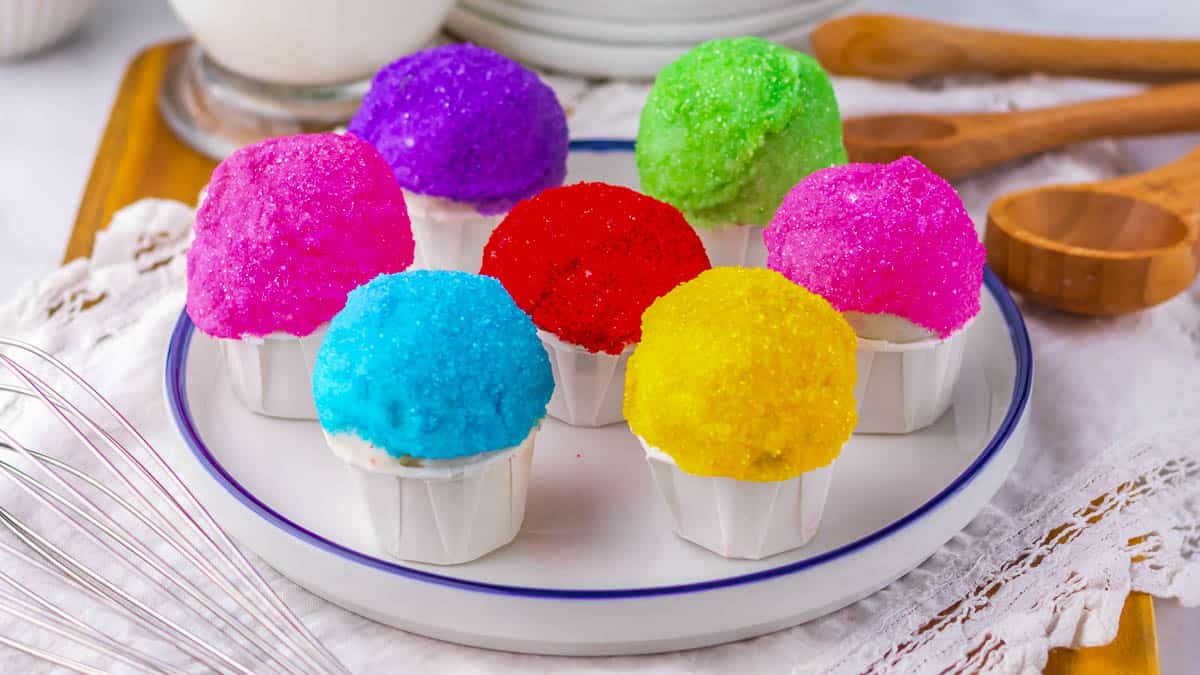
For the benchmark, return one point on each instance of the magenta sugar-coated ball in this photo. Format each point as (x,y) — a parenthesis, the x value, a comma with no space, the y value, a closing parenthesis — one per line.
(881,238)
(287,228)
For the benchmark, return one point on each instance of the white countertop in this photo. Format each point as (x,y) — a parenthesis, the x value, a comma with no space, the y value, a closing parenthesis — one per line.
(53,109)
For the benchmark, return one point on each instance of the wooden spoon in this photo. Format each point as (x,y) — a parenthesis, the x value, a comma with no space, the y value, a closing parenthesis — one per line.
(902,48)
(958,145)
(1101,248)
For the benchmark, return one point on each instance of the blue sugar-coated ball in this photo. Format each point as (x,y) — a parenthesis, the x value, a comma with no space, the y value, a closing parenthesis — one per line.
(432,364)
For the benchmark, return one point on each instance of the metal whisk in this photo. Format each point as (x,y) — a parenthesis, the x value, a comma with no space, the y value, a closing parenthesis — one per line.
(186,600)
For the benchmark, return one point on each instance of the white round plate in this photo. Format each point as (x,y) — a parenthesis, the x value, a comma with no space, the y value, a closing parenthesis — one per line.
(596,568)
(687,31)
(656,10)
(582,57)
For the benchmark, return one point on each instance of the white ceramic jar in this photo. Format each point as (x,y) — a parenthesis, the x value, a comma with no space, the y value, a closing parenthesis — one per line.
(314,43)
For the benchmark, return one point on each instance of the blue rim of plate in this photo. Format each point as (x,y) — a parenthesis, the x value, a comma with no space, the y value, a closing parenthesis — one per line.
(177,353)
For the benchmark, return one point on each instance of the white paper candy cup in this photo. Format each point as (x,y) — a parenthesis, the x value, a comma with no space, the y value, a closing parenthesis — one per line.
(449,235)
(905,386)
(272,375)
(444,512)
(741,518)
(589,387)
(734,245)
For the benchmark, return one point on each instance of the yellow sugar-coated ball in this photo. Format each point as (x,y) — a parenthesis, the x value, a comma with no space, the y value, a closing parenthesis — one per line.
(743,374)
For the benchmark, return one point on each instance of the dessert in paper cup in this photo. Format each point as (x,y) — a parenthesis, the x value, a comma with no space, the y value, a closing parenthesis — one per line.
(286,228)
(585,261)
(431,386)
(727,129)
(892,247)
(468,133)
(742,394)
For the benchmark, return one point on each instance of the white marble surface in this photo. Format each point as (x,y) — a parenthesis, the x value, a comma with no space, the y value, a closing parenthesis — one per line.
(53,108)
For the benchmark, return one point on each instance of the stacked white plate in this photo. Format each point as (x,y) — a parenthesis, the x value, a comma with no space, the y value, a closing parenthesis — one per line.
(628,38)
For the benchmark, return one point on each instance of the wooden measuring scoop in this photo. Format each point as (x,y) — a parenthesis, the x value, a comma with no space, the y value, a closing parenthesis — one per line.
(902,48)
(1101,248)
(959,145)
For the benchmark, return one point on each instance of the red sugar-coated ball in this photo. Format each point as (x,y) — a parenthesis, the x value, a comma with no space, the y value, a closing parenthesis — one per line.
(586,260)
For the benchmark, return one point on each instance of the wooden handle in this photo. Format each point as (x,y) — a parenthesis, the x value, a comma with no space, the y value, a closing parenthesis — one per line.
(901,48)
(1174,186)
(1166,109)
(959,145)
(990,139)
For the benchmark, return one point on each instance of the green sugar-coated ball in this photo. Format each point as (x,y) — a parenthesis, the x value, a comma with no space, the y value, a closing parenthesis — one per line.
(732,125)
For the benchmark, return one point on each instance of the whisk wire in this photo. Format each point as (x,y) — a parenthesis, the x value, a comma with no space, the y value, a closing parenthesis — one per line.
(54,501)
(97,586)
(57,660)
(58,405)
(54,624)
(245,585)
(82,587)
(181,545)
(48,611)
(232,554)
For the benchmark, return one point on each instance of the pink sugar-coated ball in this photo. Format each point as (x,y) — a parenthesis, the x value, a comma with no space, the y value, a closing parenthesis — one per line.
(287,228)
(881,238)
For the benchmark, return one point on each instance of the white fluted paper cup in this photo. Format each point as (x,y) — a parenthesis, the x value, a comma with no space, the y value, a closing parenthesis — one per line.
(589,387)
(272,375)
(449,235)
(443,512)
(734,245)
(740,518)
(905,386)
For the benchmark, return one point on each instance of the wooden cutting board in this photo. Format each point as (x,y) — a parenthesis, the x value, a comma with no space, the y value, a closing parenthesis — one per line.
(140,157)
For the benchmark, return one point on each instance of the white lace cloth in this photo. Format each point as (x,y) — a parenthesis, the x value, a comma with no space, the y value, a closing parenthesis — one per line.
(1105,499)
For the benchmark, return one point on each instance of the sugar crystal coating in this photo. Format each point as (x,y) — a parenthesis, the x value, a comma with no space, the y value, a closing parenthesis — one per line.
(881,238)
(585,260)
(465,123)
(743,374)
(287,228)
(732,125)
(432,364)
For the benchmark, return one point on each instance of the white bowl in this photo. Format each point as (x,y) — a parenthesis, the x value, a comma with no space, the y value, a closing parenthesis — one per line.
(581,57)
(327,42)
(685,29)
(27,26)
(643,10)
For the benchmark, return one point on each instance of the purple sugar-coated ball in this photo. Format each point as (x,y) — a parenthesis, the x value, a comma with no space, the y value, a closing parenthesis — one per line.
(465,123)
